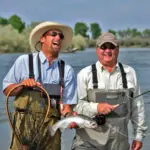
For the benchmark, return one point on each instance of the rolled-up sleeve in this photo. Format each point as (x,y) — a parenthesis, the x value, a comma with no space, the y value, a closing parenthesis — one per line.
(84,107)
(137,116)
(14,74)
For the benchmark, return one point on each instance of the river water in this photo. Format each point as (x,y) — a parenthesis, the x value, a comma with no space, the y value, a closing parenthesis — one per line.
(139,59)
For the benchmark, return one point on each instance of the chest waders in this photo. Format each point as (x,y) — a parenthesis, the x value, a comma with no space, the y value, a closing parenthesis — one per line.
(22,100)
(113,134)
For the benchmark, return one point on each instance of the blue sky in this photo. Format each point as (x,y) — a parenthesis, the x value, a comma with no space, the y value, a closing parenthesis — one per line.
(110,14)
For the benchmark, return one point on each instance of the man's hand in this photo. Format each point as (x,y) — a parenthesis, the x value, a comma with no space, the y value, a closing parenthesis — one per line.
(105,108)
(30,82)
(136,145)
(65,108)
(66,111)
(26,83)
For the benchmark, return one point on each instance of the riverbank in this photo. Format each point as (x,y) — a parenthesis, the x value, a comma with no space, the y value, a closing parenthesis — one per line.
(73,50)
(13,42)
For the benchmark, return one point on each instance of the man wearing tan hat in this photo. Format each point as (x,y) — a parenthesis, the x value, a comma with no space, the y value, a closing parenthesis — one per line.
(46,69)
(104,92)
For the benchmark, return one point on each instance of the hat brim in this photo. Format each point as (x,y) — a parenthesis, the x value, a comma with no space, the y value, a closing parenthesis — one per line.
(40,29)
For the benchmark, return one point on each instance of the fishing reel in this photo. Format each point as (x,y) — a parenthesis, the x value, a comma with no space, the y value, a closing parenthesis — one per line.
(100,119)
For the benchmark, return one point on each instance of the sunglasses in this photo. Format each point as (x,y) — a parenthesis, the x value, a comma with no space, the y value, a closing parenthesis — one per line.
(54,33)
(108,46)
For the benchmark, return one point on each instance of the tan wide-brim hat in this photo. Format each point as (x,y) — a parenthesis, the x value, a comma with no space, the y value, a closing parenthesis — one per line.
(39,30)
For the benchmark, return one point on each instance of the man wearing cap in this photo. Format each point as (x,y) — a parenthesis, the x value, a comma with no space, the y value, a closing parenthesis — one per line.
(48,38)
(104,89)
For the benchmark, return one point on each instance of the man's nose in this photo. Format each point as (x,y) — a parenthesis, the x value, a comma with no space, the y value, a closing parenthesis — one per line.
(108,50)
(57,37)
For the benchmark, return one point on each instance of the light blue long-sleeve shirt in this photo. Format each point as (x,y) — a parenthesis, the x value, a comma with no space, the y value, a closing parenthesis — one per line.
(49,74)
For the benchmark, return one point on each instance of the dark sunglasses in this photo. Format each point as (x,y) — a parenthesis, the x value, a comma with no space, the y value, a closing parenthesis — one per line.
(108,46)
(54,33)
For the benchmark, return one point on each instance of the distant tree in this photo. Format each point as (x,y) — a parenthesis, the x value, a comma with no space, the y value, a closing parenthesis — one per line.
(121,33)
(17,23)
(3,21)
(112,31)
(27,30)
(95,30)
(135,32)
(146,33)
(81,28)
(128,33)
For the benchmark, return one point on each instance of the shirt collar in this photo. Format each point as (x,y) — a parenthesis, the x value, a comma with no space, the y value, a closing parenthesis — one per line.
(43,58)
(100,66)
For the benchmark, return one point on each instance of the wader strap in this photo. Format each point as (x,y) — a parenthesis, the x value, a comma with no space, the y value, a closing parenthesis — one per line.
(61,66)
(95,81)
(31,72)
(94,73)
(39,69)
(124,79)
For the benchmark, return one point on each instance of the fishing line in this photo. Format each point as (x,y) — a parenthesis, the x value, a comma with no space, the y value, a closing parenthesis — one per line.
(128,98)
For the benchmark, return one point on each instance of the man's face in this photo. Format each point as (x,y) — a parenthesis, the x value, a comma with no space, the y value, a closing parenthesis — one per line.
(51,41)
(107,54)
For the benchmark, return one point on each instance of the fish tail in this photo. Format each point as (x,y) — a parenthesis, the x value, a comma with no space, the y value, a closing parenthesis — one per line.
(51,130)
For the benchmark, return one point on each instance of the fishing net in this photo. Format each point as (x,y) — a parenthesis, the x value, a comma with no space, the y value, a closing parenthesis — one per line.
(26,114)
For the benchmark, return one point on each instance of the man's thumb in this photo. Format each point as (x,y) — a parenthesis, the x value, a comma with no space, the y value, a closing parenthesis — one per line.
(115,106)
(38,83)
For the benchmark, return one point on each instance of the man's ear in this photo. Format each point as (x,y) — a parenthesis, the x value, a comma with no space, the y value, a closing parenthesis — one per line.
(42,39)
(97,51)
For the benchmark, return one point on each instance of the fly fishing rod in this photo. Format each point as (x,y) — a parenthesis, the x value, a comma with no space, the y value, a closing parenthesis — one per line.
(134,97)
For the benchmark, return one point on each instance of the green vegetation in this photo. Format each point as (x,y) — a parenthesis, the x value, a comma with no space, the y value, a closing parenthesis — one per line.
(14,35)
(16,23)
(95,30)
(81,28)
(79,42)
(3,21)
(13,41)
